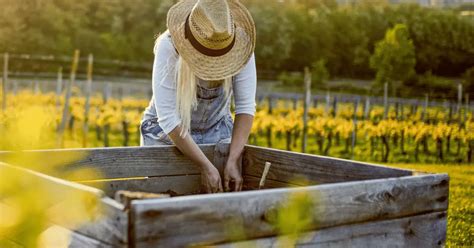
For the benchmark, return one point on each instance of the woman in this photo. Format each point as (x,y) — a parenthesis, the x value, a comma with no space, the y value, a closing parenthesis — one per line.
(204,57)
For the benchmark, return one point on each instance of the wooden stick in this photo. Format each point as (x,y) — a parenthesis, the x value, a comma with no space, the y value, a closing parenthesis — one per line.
(264,174)
(354,130)
(307,102)
(85,128)
(328,98)
(367,108)
(106,95)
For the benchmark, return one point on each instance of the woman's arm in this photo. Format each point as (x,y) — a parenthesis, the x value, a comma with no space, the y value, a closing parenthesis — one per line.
(210,177)
(240,135)
(244,88)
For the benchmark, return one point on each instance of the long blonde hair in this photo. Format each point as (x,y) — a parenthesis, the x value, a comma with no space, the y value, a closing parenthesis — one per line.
(186,93)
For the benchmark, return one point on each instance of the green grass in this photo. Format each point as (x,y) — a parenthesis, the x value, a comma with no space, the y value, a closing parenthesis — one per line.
(461,203)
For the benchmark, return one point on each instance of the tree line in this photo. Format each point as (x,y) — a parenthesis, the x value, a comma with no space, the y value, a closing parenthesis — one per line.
(290,34)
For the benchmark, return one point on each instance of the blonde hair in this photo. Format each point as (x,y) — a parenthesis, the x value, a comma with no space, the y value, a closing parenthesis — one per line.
(186,93)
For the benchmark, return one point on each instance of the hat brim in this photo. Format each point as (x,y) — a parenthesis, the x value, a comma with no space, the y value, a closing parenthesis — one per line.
(220,67)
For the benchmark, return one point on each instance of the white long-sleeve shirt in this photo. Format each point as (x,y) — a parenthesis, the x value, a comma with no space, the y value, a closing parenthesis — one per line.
(163,102)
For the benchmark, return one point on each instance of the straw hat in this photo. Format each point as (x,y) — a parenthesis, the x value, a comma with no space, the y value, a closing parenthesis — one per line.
(215,37)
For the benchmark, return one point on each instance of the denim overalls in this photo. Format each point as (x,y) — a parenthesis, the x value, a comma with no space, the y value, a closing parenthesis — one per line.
(211,122)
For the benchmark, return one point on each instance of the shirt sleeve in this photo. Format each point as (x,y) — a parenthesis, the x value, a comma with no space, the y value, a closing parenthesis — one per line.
(164,84)
(245,88)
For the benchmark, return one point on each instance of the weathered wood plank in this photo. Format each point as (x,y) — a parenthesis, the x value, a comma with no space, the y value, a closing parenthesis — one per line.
(57,186)
(111,227)
(58,236)
(291,166)
(425,230)
(81,241)
(206,219)
(175,185)
(123,162)
(221,153)
(252,183)
(112,222)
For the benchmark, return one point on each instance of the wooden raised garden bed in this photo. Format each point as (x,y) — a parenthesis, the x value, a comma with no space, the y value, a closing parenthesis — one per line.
(356,204)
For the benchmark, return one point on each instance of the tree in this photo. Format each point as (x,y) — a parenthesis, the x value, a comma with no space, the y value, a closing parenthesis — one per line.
(274,39)
(394,57)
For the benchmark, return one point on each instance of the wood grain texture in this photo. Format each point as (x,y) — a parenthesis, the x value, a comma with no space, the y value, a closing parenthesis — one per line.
(112,222)
(58,186)
(175,185)
(57,236)
(123,162)
(425,230)
(207,219)
(291,166)
(252,183)
(111,227)
(81,241)
(221,153)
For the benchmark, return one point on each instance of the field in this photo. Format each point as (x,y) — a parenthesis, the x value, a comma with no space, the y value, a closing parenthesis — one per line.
(409,138)
(407,134)
(461,206)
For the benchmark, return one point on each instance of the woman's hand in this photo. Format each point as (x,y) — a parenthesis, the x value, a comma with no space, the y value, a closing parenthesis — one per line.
(211,180)
(233,173)
(233,167)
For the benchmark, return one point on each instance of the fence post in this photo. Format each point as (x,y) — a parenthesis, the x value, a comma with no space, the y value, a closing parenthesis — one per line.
(269,129)
(367,108)
(270,104)
(328,99)
(425,108)
(307,103)
(90,64)
(385,100)
(397,110)
(4,81)
(69,84)
(354,128)
(402,112)
(458,107)
(59,86)
(106,96)
(334,106)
